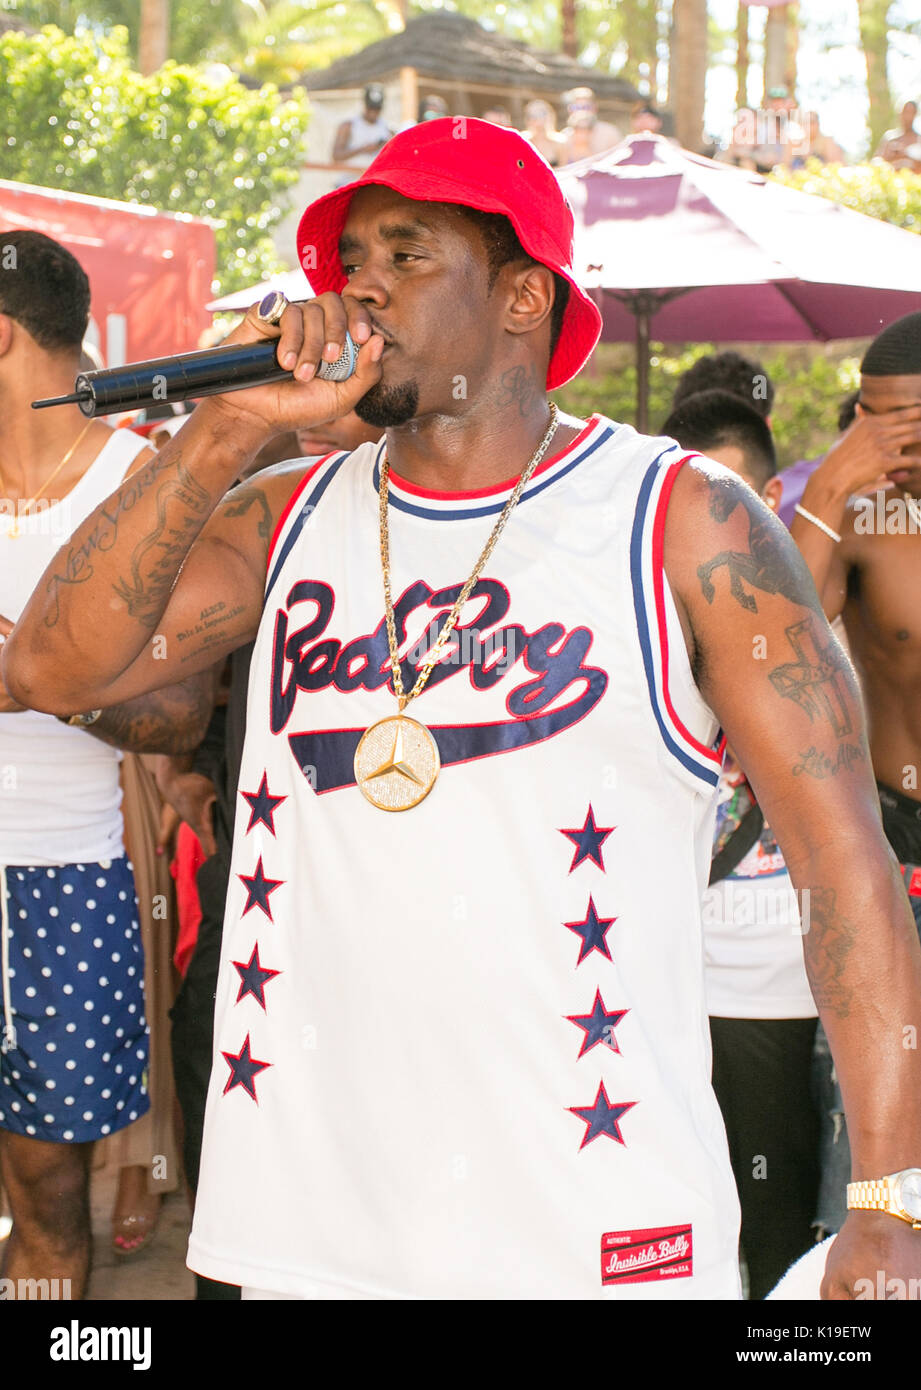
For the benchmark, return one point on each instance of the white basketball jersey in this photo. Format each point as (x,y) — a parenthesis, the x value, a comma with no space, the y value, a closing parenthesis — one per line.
(461,1051)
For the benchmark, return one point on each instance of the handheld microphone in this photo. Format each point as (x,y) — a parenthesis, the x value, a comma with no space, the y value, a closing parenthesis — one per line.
(211,372)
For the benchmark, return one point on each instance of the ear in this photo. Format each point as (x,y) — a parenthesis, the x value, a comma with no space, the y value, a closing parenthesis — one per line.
(772,492)
(532,298)
(6,334)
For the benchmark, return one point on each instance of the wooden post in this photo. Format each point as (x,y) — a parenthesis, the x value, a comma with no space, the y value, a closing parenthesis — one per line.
(570,43)
(409,94)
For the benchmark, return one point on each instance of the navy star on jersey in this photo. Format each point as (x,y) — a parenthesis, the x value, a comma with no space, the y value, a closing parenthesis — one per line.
(588,841)
(262,805)
(243,1070)
(258,888)
(593,931)
(254,977)
(598,1026)
(602,1117)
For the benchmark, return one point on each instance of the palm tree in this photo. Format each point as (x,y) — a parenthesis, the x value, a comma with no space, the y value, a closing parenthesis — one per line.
(687,76)
(153,35)
(874,39)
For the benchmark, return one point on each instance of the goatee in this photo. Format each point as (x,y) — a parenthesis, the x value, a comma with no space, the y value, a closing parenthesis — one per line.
(384,406)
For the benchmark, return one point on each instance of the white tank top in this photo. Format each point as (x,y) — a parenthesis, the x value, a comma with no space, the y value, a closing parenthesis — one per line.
(60,799)
(462,1051)
(362,133)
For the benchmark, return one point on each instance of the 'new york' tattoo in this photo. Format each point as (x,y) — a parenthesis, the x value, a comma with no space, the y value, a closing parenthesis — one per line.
(145,591)
(77,564)
(816,679)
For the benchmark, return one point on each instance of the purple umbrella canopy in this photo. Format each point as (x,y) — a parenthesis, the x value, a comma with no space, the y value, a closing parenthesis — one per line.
(685,249)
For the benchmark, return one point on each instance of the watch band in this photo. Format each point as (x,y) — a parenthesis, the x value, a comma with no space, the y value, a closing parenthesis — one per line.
(878,1194)
(81,721)
(875,1195)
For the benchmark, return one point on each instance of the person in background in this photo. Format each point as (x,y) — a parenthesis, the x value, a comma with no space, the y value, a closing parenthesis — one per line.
(728,371)
(812,144)
(359,138)
(870,573)
(762,1014)
(741,148)
(795,478)
(644,118)
(778,130)
(585,134)
(498,115)
(901,147)
(540,129)
(74,1052)
(431,108)
(201,787)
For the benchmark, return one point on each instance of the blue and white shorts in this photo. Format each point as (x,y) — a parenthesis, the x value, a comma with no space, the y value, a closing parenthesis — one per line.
(73,991)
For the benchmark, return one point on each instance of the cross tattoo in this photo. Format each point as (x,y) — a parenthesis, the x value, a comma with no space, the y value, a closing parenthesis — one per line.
(812,680)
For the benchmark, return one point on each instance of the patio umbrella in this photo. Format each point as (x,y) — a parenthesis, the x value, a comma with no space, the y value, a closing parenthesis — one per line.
(292,283)
(685,249)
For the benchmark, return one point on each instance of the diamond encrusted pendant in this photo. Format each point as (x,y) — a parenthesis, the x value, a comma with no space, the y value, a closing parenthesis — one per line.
(396,763)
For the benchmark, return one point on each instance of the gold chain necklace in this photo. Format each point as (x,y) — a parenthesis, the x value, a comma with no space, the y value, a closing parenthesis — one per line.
(23,508)
(397,759)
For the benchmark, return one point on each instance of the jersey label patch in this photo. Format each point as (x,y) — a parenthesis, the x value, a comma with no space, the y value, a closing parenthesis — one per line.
(636,1257)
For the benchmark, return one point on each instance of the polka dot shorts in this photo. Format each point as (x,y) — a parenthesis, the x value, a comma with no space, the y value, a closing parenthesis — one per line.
(76,977)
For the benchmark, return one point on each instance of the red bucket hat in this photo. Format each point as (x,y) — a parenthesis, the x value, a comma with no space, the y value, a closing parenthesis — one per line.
(481,165)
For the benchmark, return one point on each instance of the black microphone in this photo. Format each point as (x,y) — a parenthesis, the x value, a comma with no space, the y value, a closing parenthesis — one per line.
(211,372)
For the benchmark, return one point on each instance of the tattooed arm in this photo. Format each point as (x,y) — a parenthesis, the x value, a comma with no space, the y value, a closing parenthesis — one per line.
(172,720)
(768,665)
(163,579)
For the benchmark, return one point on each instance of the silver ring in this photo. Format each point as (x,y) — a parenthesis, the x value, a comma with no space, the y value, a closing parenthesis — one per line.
(272,307)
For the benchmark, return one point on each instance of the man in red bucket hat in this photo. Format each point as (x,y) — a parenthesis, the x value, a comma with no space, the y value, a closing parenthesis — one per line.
(461,1043)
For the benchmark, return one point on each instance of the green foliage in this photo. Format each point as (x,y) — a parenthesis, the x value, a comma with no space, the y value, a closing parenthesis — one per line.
(290,37)
(892,195)
(810,383)
(199,30)
(277,40)
(79,118)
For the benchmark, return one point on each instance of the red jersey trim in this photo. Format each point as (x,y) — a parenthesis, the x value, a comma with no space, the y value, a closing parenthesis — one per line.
(658,570)
(291,503)
(507,486)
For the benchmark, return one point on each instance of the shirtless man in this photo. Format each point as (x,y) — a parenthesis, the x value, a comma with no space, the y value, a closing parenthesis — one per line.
(872,577)
(457,1051)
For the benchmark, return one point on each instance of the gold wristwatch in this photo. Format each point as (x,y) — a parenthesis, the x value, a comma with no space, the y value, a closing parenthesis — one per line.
(899,1194)
(81,721)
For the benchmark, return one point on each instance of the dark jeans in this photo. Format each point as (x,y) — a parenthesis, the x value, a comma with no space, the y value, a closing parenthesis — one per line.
(192,1034)
(762,1080)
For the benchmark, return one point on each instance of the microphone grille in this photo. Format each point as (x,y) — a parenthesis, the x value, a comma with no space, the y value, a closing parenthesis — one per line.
(344,365)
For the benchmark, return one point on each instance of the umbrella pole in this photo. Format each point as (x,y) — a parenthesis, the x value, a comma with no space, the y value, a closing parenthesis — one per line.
(642,369)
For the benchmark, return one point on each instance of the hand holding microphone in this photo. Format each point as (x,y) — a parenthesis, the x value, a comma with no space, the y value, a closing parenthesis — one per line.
(322,338)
